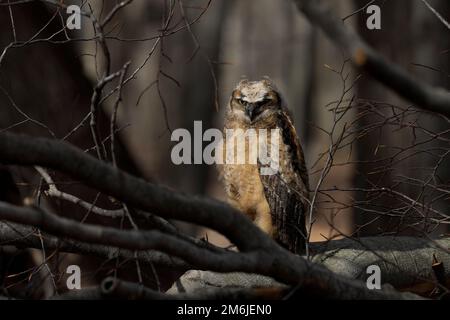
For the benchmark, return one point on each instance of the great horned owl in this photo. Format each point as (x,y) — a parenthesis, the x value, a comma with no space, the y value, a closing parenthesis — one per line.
(277,203)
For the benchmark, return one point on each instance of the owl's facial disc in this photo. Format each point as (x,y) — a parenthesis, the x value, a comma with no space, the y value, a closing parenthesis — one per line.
(254,109)
(254,100)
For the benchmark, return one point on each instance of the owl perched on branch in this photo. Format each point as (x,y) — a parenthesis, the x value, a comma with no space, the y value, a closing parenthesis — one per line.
(276,201)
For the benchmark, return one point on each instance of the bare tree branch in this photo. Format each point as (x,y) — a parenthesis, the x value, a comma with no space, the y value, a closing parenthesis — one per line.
(404,261)
(54,192)
(366,58)
(126,239)
(25,237)
(113,288)
(264,256)
(24,150)
(441,18)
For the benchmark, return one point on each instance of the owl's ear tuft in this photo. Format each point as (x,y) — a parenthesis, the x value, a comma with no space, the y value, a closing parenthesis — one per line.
(267,81)
(243,82)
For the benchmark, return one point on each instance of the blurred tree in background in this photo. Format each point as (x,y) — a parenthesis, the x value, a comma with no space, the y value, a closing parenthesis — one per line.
(136,70)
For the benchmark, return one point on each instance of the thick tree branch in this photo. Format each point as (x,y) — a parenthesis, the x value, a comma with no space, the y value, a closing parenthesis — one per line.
(366,58)
(23,150)
(126,239)
(405,263)
(259,254)
(274,262)
(112,288)
(26,237)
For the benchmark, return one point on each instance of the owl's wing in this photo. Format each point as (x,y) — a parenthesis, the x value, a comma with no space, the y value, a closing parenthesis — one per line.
(288,212)
(287,192)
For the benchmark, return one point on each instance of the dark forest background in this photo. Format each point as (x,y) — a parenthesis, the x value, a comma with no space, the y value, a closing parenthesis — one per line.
(46,86)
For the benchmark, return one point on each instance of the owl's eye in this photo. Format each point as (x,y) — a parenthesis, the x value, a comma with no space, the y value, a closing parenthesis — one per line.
(266,101)
(242,101)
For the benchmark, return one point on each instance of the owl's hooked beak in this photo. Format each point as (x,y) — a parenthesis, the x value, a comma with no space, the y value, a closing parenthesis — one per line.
(250,110)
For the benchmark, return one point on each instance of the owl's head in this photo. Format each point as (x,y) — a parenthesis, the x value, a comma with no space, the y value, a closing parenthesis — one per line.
(253,101)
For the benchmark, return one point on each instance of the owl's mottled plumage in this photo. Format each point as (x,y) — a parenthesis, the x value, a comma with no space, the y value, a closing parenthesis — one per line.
(276,203)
